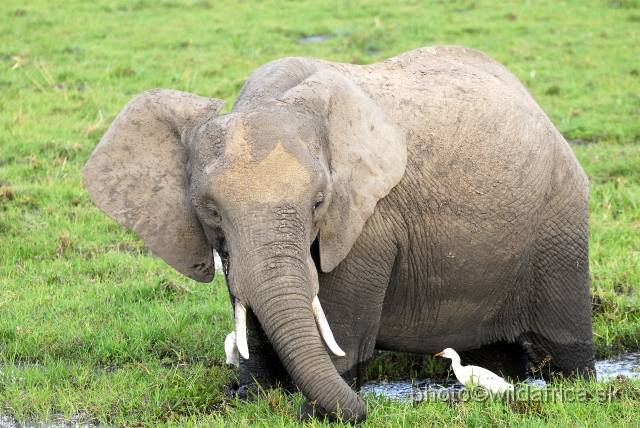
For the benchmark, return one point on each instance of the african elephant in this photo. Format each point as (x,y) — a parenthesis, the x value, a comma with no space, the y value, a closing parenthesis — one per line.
(425,201)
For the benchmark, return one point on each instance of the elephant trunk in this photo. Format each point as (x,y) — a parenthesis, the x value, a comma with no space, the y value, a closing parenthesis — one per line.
(280,290)
(284,309)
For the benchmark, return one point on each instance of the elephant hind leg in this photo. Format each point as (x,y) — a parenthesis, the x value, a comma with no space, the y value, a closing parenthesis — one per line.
(551,358)
(506,359)
(558,328)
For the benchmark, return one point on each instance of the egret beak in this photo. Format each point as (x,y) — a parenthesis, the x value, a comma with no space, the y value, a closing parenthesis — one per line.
(439,354)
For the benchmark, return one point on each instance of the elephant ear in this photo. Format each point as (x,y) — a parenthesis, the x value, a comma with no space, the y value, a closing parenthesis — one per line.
(138,176)
(368,154)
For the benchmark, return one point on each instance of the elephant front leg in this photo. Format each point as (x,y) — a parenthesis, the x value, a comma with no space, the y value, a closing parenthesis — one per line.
(352,296)
(263,370)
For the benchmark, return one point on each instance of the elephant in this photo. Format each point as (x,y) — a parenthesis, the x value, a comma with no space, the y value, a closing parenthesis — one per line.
(419,203)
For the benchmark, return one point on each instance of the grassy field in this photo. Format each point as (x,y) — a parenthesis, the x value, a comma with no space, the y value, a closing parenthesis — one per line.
(93,328)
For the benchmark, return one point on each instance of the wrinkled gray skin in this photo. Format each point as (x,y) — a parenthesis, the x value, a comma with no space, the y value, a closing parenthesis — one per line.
(426,199)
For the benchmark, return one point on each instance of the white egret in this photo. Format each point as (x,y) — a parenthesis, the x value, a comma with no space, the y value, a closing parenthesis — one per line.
(231,349)
(474,375)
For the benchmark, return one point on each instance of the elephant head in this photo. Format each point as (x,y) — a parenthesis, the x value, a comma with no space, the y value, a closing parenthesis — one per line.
(303,155)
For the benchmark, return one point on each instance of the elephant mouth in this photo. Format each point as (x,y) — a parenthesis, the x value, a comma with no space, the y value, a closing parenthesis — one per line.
(240,321)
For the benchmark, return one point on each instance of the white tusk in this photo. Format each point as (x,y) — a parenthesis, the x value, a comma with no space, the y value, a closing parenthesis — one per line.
(241,330)
(231,349)
(324,328)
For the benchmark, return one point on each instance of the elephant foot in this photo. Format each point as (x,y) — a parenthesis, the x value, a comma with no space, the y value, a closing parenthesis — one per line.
(253,391)
(231,389)
(309,411)
(244,392)
(555,359)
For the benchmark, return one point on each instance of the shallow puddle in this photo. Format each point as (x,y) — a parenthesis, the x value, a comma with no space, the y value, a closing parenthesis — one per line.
(315,39)
(6,422)
(627,365)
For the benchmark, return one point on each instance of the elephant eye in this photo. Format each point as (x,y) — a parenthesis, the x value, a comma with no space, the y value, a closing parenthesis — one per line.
(319,200)
(213,215)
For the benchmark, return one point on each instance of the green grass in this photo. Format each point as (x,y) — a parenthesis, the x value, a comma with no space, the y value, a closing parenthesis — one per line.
(614,244)
(92,327)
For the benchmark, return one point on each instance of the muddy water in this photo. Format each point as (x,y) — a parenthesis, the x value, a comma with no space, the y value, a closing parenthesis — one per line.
(627,365)
(9,423)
